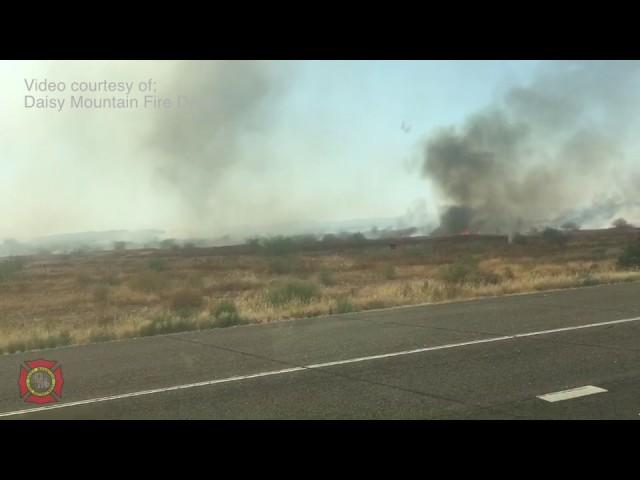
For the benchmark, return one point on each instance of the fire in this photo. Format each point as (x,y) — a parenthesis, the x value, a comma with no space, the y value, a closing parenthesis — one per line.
(465,232)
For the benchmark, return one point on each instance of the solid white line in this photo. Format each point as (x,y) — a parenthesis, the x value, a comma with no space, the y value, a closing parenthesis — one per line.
(571,393)
(312,366)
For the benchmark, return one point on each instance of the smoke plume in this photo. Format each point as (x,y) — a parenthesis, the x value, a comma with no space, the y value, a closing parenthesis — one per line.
(225,103)
(558,145)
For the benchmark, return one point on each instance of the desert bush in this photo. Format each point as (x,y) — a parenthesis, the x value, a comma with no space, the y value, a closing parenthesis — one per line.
(389,272)
(588,280)
(458,272)
(83,278)
(300,291)
(111,278)
(407,290)
(149,282)
(59,339)
(226,314)
(572,226)
(328,238)
(554,236)
(343,305)
(508,274)
(630,257)
(186,301)
(253,242)
(11,266)
(157,264)
(105,320)
(281,266)
(195,281)
(466,271)
(289,265)
(326,278)
(119,246)
(375,305)
(279,245)
(101,294)
(621,223)
(168,243)
(15,346)
(519,239)
(233,285)
(165,324)
(99,337)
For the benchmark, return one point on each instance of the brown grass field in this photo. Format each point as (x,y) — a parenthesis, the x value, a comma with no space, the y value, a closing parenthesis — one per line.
(54,300)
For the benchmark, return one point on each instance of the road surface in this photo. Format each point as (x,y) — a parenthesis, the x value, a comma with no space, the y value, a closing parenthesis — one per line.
(572,354)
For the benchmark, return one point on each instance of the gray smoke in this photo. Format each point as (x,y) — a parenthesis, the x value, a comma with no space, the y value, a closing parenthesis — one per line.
(225,103)
(540,151)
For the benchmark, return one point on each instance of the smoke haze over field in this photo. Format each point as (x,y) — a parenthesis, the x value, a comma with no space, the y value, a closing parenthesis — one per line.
(271,143)
(561,146)
(263,143)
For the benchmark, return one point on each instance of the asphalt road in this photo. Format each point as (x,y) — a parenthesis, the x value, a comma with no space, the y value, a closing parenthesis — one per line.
(481,359)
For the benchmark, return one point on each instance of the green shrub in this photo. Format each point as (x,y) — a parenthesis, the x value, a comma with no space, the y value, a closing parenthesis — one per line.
(278,245)
(165,324)
(288,265)
(458,272)
(554,236)
(466,271)
(10,266)
(630,257)
(343,305)
(226,314)
(253,242)
(326,278)
(588,280)
(519,239)
(300,291)
(50,341)
(280,266)
(16,346)
(570,226)
(157,264)
(119,246)
(621,223)
(168,243)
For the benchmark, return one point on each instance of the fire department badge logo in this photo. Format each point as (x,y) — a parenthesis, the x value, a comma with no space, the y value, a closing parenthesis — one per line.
(41,381)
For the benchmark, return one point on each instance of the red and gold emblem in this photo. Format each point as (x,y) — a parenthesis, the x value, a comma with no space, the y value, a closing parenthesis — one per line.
(41,381)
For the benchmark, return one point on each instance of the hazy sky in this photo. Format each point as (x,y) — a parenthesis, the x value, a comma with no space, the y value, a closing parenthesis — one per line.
(282,141)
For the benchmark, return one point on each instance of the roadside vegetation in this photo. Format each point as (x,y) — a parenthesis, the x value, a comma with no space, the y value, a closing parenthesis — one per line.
(53,300)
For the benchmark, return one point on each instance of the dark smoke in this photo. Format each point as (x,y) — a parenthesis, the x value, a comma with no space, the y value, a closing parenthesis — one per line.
(539,152)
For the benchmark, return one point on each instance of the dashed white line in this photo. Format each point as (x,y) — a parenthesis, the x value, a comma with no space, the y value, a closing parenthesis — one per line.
(313,366)
(571,393)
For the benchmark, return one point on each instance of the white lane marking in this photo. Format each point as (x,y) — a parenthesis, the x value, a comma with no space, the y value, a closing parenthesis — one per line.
(571,393)
(309,367)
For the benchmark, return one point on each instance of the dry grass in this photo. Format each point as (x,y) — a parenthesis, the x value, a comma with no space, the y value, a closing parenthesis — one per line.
(57,300)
